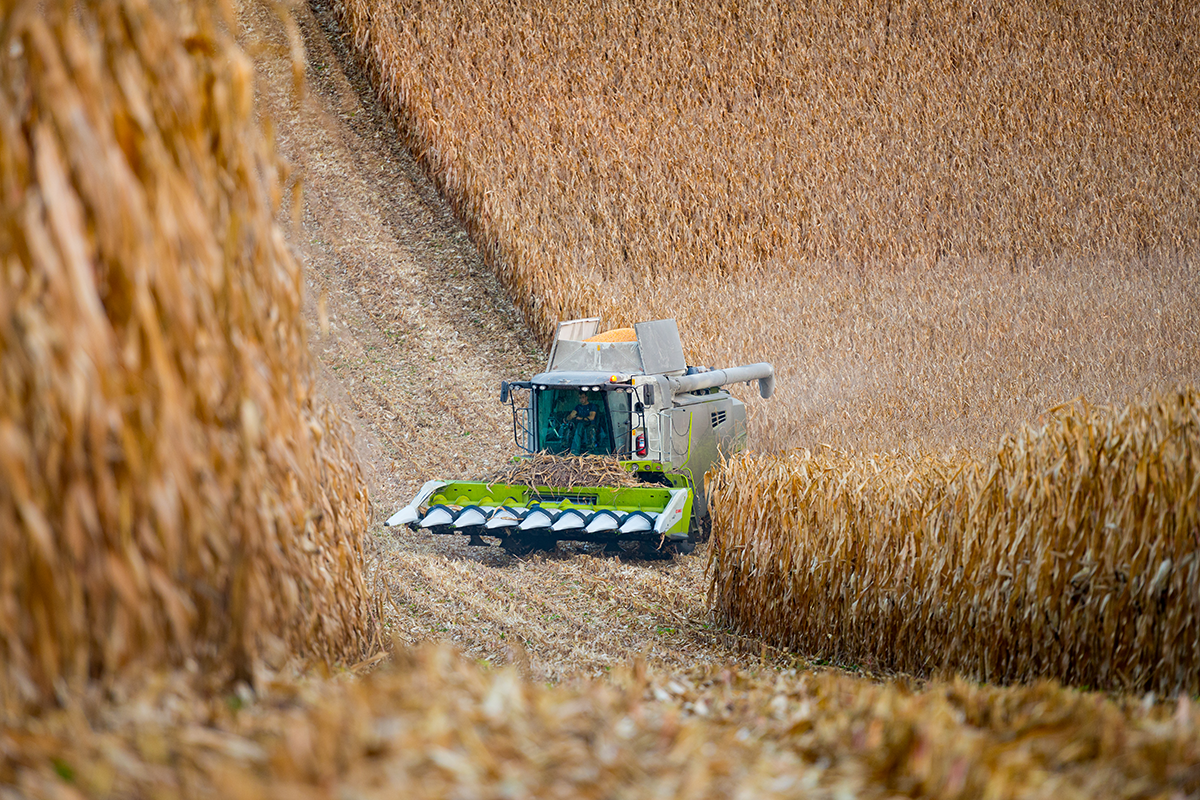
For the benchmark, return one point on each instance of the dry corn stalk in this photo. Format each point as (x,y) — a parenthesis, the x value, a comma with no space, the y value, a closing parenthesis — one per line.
(1073,554)
(169,486)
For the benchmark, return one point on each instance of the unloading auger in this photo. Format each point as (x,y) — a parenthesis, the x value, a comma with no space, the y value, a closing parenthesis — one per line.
(628,395)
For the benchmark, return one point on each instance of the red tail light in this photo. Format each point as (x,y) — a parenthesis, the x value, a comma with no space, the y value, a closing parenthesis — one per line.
(639,444)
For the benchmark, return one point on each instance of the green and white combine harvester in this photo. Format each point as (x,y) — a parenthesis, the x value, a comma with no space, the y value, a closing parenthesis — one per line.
(628,395)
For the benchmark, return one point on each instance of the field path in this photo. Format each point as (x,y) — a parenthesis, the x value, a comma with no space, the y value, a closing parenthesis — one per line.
(411,340)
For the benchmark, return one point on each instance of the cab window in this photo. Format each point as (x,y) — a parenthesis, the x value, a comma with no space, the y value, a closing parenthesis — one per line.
(571,422)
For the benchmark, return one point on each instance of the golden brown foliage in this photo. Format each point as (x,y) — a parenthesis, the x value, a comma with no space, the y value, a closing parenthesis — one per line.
(433,725)
(617,137)
(169,487)
(1073,553)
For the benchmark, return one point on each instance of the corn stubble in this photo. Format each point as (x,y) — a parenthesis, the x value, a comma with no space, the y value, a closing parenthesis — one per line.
(170,489)
(1073,553)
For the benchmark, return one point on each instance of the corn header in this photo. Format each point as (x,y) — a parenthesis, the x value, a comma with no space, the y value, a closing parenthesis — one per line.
(626,395)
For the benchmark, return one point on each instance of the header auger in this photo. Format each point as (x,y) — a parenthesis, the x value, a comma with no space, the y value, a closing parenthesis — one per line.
(627,395)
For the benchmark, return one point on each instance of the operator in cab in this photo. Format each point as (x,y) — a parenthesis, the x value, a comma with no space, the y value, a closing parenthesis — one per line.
(584,417)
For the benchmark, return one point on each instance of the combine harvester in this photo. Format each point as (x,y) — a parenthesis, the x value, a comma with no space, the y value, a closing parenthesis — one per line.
(628,395)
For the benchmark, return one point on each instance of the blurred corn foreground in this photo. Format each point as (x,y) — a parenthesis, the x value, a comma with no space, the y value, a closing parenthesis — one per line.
(434,725)
(169,487)
(1073,553)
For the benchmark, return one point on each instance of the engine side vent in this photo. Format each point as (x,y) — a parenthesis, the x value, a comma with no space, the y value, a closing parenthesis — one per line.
(718,418)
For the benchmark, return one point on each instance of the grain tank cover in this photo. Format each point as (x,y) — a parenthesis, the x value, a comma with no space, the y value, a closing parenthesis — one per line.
(657,350)
(661,350)
(578,330)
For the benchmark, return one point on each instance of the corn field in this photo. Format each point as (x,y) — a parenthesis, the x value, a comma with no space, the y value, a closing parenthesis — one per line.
(170,489)
(174,494)
(936,220)
(854,175)
(1073,553)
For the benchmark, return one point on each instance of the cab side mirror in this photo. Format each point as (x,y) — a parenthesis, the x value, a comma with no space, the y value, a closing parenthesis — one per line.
(503,391)
(648,394)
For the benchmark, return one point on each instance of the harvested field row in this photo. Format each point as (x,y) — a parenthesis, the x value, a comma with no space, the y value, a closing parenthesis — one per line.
(940,220)
(560,615)
(1073,554)
(432,725)
(170,488)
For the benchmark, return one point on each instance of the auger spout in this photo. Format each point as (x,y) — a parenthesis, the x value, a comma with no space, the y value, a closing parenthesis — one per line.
(711,379)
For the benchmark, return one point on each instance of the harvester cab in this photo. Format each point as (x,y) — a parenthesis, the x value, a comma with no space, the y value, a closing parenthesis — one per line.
(627,395)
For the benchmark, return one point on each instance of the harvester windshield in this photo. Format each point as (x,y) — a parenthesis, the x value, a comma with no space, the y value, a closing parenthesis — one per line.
(575,422)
